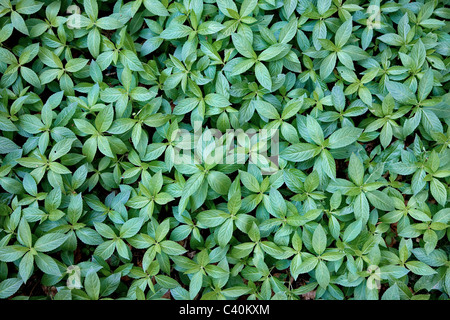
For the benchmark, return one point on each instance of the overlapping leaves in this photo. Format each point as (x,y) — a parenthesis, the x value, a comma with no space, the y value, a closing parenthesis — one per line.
(94,205)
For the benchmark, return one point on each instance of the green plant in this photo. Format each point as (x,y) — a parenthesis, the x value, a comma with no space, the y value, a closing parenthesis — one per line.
(251,149)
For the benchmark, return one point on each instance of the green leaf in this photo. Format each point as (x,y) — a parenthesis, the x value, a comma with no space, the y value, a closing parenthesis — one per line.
(343,137)
(307,265)
(380,200)
(425,85)
(104,146)
(172,248)
(7,146)
(327,65)
(131,61)
(323,6)
(277,204)
(314,130)
(210,27)
(12,253)
(343,33)
(175,31)
(322,274)
(300,152)
(60,148)
(249,181)
(328,164)
(356,170)
(225,232)
(19,23)
(130,227)
(352,231)
(49,242)
(319,240)
(47,264)
(267,110)
(219,182)
(391,39)
(401,92)
(211,218)
(92,285)
(75,65)
(10,286)
(420,268)
(263,75)
(26,266)
(24,233)
(243,46)
(438,191)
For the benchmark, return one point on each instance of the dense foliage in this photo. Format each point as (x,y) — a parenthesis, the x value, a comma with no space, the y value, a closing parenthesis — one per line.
(94,204)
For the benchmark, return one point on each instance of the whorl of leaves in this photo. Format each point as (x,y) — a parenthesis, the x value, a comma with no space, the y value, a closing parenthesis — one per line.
(91,92)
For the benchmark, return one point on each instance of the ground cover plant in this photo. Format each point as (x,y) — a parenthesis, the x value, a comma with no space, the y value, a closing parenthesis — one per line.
(102,198)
